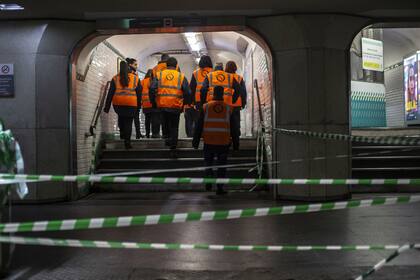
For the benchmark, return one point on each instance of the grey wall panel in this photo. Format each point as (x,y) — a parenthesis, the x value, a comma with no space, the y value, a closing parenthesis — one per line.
(394,97)
(52,100)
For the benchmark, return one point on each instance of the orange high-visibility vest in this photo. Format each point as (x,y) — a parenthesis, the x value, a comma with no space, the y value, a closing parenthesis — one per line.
(160,67)
(200,75)
(216,129)
(125,96)
(220,78)
(238,102)
(169,93)
(145,100)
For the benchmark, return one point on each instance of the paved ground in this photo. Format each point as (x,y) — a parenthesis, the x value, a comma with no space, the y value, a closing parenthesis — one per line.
(375,225)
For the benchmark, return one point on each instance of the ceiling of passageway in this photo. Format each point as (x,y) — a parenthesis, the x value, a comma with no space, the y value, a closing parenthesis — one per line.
(94,9)
(221,46)
(143,45)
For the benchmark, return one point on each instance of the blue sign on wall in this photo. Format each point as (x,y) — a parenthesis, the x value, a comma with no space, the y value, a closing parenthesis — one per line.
(7,80)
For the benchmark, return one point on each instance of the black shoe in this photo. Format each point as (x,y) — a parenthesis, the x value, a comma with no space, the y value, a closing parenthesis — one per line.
(172,153)
(155,136)
(138,136)
(220,190)
(209,187)
(147,136)
(127,145)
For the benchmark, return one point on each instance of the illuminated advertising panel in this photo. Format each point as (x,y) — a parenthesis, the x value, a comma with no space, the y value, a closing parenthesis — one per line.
(411,89)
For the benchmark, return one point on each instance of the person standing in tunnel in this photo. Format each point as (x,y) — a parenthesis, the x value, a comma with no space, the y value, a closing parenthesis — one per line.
(151,115)
(132,68)
(125,95)
(240,97)
(216,128)
(169,91)
(192,111)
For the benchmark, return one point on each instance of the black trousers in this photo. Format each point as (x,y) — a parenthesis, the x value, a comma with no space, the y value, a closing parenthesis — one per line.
(125,123)
(165,129)
(220,154)
(153,121)
(137,122)
(236,121)
(171,124)
(191,117)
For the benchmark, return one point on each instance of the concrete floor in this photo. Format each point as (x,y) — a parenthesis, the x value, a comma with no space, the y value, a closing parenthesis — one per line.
(376,225)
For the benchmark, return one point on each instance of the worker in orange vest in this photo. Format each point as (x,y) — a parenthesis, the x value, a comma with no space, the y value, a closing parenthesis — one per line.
(218,77)
(158,68)
(151,115)
(191,111)
(125,95)
(215,127)
(169,92)
(239,96)
(132,68)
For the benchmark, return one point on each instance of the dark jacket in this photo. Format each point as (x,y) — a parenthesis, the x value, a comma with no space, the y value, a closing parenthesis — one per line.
(126,111)
(193,87)
(238,91)
(185,90)
(198,133)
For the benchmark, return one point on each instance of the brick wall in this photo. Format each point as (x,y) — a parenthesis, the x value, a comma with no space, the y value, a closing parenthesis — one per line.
(88,90)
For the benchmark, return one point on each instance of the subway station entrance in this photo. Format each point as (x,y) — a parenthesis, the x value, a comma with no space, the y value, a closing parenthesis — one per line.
(96,145)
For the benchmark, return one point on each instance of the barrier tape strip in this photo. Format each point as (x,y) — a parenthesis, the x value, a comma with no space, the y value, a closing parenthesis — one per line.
(381,264)
(128,221)
(254,165)
(389,140)
(187,180)
(179,246)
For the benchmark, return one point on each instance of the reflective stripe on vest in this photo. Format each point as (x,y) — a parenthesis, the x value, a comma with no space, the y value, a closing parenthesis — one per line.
(216,129)
(145,99)
(125,96)
(200,75)
(169,93)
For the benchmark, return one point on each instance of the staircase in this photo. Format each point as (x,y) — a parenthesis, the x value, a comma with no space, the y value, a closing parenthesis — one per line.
(385,162)
(151,154)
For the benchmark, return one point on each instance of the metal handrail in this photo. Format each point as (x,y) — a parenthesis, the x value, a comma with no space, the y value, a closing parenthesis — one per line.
(98,111)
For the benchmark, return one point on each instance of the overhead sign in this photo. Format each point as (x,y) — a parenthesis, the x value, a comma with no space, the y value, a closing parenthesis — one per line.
(7,81)
(372,55)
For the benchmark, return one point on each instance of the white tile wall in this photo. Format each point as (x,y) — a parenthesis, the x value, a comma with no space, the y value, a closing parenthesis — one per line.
(102,69)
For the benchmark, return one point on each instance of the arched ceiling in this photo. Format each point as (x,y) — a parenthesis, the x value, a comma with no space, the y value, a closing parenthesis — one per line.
(221,46)
(399,43)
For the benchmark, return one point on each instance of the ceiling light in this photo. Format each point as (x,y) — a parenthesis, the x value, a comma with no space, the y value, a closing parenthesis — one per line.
(11,7)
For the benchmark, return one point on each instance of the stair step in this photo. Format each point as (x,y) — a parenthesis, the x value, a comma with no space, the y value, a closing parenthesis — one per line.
(386,172)
(158,153)
(162,163)
(160,143)
(238,172)
(386,161)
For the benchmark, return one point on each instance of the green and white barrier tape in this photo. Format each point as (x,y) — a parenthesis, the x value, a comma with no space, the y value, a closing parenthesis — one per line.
(142,220)
(178,246)
(388,140)
(187,180)
(381,264)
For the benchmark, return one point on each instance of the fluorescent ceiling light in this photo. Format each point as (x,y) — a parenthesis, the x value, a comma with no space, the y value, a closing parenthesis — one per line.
(11,7)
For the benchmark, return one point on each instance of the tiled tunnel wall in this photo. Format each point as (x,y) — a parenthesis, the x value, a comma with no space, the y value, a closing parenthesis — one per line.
(89,88)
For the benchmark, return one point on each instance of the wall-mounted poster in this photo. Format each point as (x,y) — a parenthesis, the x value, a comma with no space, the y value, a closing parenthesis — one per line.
(411,88)
(372,55)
